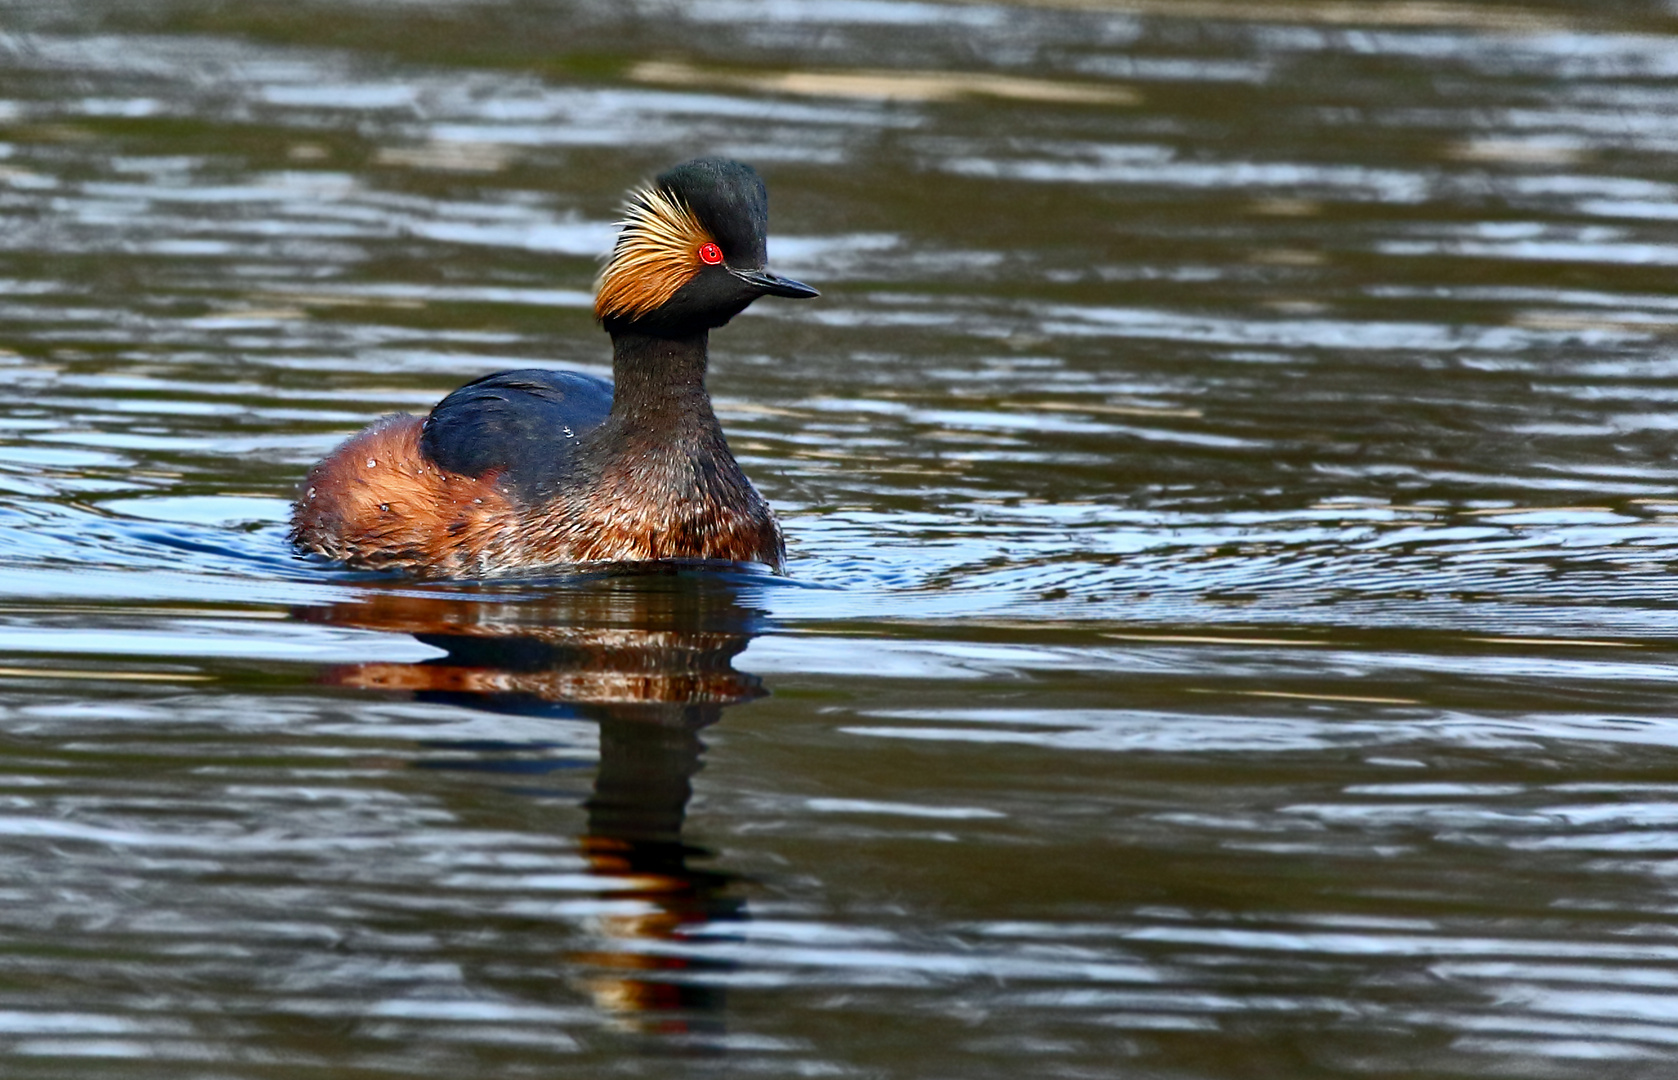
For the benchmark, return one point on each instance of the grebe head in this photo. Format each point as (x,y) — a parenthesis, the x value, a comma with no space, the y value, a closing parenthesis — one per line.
(691,253)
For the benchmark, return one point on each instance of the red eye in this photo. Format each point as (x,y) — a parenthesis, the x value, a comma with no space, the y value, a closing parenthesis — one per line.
(710,254)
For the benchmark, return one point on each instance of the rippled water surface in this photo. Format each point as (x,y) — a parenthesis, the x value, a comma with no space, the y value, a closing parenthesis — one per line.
(1230,491)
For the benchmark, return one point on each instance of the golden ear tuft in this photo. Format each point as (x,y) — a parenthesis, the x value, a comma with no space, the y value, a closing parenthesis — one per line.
(657,252)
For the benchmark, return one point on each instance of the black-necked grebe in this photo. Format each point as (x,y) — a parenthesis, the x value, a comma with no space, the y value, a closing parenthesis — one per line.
(530,469)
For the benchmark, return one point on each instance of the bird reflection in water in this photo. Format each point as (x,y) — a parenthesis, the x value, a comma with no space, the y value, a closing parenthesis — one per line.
(649,657)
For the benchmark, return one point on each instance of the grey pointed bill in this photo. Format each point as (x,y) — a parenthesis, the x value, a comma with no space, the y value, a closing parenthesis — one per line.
(775,285)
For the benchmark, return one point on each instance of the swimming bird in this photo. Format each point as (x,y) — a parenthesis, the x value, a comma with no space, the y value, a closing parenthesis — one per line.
(525,470)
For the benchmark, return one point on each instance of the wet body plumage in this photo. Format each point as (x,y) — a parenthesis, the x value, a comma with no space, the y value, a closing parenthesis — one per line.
(530,469)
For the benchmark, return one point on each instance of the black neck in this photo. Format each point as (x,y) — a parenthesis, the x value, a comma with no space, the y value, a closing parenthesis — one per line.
(659,382)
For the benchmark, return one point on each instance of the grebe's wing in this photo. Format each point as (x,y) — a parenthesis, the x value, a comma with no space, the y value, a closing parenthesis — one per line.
(524,424)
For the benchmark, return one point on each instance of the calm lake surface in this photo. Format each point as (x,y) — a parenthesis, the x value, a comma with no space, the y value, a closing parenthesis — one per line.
(1232,509)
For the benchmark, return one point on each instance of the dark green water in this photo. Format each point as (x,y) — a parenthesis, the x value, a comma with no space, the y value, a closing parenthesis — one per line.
(1231,502)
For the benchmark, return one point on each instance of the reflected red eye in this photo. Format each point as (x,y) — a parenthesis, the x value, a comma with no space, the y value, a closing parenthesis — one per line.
(710,254)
